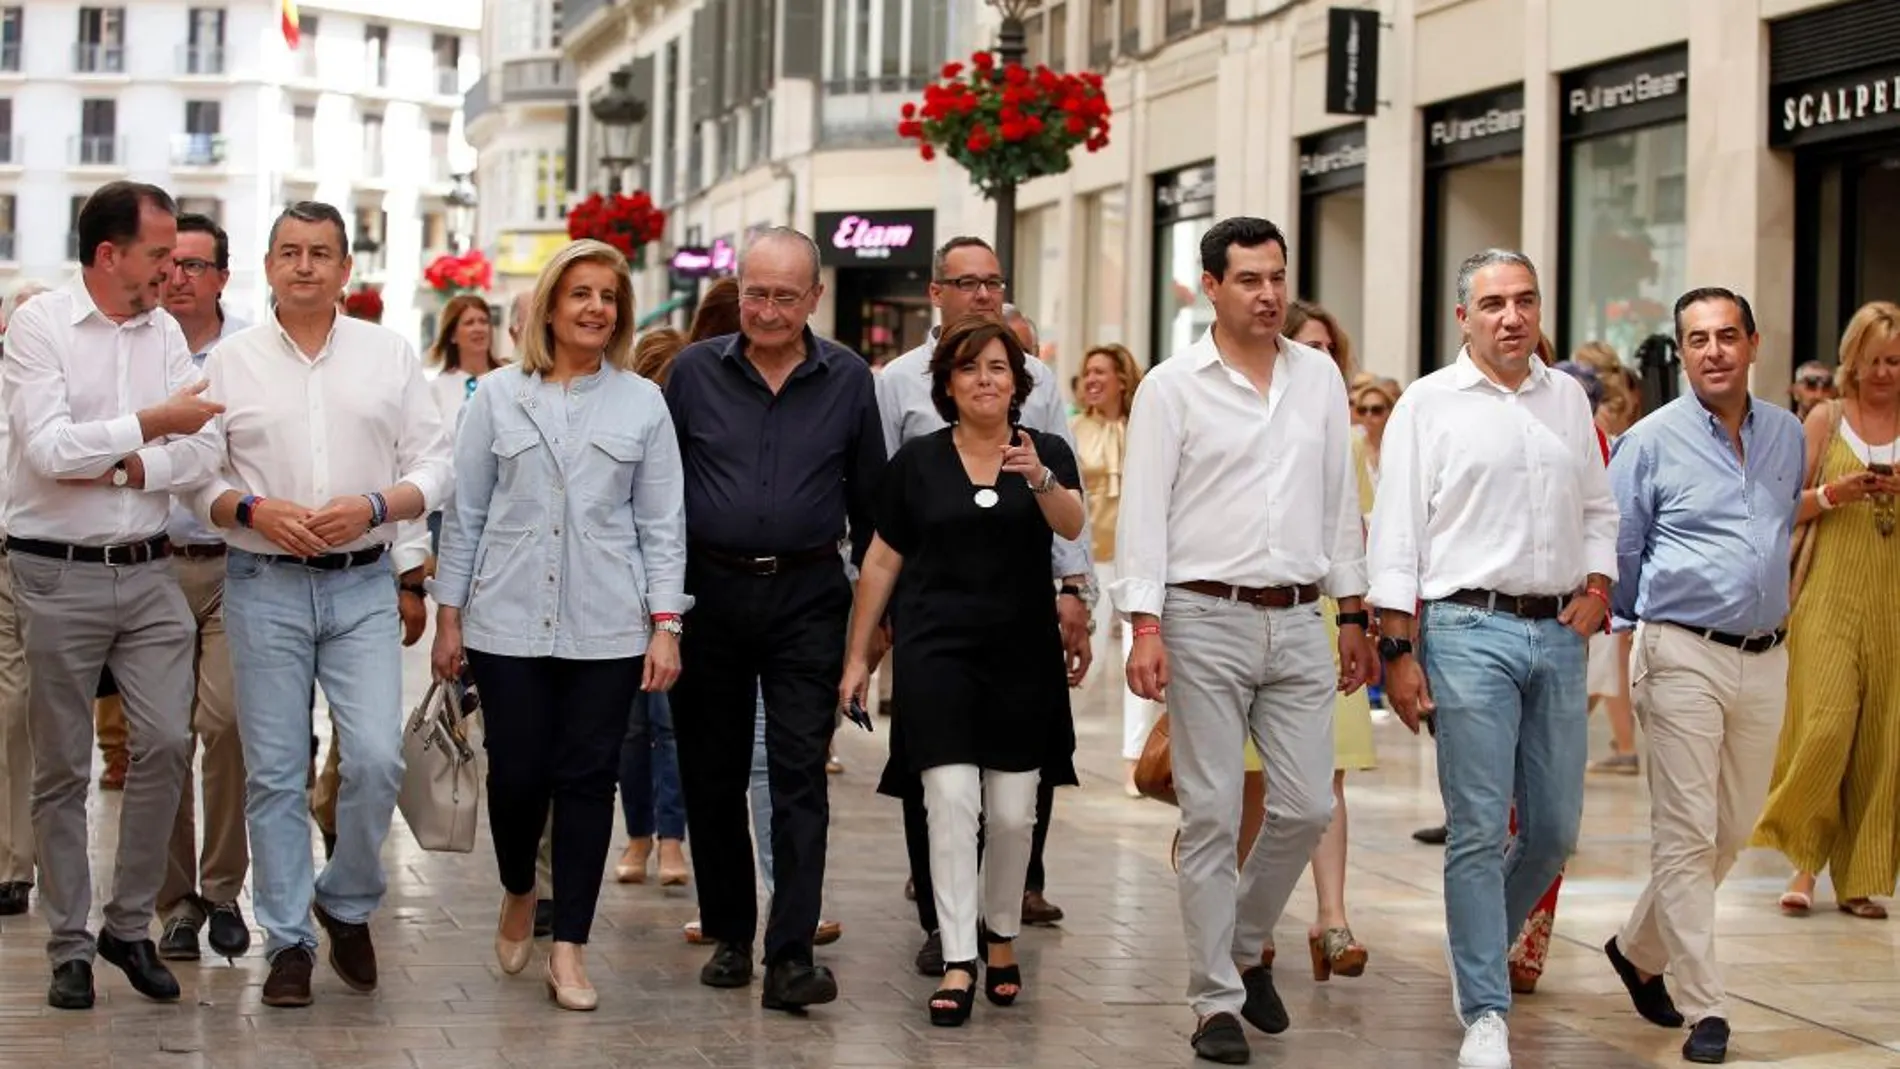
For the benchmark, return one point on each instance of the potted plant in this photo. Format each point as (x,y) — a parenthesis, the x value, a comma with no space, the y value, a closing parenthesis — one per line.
(452,275)
(627,222)
(1006,123)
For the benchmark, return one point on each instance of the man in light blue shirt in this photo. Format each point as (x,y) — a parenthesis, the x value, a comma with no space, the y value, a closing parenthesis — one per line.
(1708,487)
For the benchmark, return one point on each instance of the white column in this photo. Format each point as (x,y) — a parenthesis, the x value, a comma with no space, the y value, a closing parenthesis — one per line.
(1543,159)
(1394,208)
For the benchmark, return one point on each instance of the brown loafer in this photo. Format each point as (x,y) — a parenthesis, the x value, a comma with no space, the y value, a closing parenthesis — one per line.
(352,954)
(828,933)
(288,985)
(1039,910)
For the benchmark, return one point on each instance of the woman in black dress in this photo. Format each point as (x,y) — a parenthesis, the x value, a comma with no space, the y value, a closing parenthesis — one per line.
(961,559)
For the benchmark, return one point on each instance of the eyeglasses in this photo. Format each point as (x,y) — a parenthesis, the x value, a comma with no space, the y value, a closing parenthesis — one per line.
(784,302)
(972,283)
(193,267)
(1817,382)
(1371,410)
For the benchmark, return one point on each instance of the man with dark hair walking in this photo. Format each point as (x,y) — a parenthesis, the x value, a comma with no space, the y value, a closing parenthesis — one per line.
(1239,510)
(330,440)
(105,419)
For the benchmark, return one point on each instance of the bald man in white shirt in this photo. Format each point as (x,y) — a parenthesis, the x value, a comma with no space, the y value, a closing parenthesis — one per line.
(1495,515)
(1239,510)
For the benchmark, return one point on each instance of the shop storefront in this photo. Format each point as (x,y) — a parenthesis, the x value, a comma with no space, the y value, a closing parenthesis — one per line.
(1474,200)
(1623,199)
(1183,210)
(1331,245)
(881,278)
(1834,103)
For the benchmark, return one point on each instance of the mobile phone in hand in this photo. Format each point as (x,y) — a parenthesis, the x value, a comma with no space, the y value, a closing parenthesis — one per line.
(854,711)
(1885,471)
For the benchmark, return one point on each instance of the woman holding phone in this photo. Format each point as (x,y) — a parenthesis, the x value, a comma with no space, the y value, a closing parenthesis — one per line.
(965,526)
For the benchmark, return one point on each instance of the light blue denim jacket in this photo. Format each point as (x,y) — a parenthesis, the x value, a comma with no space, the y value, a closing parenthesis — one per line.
(568,524)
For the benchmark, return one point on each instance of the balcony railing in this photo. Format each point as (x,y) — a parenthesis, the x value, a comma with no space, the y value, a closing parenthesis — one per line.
(448,82)
(98,59)
(198,150)
(12,151)
(6,247)
(863,111)
(201,60)
(10,58)
(98,150)
(536,79)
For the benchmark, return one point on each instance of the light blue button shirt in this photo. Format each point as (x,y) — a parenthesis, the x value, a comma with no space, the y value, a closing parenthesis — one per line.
(568,525)
(1704,539)
(186,528)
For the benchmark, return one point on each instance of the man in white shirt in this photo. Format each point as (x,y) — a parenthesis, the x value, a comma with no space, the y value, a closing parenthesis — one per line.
(201,890)
(1495,515)
(968,280)
(105,421)
(1239,509)
(16,756)
(330,438)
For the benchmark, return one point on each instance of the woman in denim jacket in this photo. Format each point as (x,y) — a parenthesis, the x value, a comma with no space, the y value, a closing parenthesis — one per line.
(562,573)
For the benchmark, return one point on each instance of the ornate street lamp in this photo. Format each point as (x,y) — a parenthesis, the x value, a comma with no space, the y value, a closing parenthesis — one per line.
(1011,47)
(620,116)
(461,202)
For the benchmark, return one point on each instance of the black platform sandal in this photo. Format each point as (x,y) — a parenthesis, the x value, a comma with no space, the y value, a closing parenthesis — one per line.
(996,976)
(961,1000)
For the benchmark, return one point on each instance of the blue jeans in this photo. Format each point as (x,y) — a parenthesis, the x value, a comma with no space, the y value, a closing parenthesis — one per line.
(289,626)
(761,795)
(1512,727)
(650,772)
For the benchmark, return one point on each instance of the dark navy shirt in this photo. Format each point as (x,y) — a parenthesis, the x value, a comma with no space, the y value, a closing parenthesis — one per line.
(769,474)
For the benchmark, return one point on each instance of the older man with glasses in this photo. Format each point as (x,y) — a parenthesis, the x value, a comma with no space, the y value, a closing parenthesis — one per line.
(1813,383)
(781,445)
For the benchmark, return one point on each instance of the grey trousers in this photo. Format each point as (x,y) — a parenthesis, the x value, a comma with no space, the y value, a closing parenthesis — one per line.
(16,754)
(1237,672)
(76,619)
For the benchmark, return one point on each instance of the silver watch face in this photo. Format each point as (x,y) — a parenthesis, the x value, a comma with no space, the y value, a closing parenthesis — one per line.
(120,477)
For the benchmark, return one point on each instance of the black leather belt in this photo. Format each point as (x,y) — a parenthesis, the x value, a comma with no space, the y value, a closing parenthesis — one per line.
(767,564)
(1265,597)
(330,562)
(120,555)
(1758,643)
(199,550)
(1528,606)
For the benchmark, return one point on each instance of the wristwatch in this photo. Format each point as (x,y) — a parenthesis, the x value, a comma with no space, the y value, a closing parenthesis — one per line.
(1086,593)
(671,627)
(120,477)
(1391,649)
(1046,484)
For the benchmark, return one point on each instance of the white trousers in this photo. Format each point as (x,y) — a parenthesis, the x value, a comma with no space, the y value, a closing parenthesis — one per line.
(955,796)
(1138,713)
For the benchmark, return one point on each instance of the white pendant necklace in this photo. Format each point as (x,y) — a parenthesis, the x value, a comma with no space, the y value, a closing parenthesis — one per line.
(986,498)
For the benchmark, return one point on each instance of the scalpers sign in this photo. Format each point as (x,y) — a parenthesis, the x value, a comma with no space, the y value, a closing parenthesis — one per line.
(1849,106)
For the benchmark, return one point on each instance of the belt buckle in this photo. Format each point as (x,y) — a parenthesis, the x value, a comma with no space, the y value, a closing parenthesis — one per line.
(111,555)
(765,565)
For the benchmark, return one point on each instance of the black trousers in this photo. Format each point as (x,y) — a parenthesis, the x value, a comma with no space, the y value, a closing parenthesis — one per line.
(784,633)
(553,731)
(917,846)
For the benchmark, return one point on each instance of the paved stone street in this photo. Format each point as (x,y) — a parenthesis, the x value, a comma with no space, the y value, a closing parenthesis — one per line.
(1103,990)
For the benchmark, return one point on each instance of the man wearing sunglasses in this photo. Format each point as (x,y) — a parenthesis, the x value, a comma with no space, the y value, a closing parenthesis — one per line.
(201,888)
(1813,383)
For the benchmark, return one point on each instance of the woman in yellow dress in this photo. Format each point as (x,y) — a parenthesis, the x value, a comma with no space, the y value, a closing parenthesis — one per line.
(1835,798)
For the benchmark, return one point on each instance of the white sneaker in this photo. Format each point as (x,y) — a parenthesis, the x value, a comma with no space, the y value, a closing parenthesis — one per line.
(1487,1044)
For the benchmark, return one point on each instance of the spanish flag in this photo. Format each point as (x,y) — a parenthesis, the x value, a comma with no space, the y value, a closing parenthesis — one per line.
(290,20)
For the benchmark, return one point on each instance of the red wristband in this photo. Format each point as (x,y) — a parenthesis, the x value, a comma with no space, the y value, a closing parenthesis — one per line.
(1147,629)
(666,616)
(1599,594)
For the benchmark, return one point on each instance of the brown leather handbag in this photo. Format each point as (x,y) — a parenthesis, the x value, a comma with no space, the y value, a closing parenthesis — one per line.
(1154,770)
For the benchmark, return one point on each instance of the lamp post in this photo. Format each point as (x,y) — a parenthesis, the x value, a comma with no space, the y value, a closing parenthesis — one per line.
(620,115)
(461,203)
(1011,47)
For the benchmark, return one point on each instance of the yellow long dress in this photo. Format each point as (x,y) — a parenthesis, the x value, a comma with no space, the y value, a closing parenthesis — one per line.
(1835,799)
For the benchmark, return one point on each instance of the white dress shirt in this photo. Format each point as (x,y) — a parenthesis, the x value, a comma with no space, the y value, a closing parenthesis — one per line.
(906,411)
(75,381)
(355,419)
(1484,488)
(186,528)
(1223,485)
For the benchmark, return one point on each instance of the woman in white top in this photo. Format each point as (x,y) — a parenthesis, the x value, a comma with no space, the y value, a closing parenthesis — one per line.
(463,352)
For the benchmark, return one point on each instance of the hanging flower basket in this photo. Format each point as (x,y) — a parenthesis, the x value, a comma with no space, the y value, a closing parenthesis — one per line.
(1007,124)
(451,275)
(628,223)
(364,302)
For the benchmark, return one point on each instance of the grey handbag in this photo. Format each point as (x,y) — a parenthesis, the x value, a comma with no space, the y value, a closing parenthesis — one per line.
(441,795)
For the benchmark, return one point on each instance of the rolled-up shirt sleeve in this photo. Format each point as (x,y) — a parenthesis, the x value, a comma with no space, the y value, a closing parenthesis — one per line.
(55,445)
(1344,529)
(1632,490)
(1399,514)
(423,455)
(1141,535)
(659,515)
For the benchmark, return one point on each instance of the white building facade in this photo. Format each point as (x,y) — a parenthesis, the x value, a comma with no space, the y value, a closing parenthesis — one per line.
(208,100)
(1630,163)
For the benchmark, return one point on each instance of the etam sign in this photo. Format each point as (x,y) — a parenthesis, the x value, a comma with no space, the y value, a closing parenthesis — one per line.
(875,239)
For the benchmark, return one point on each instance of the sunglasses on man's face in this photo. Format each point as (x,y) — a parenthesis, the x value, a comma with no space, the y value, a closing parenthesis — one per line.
(1371,410)
(1817,382)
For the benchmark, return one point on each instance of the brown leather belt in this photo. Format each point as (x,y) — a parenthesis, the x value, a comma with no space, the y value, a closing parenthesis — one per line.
(199,550)
(767,564)
(1528,606)
(1265,597)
